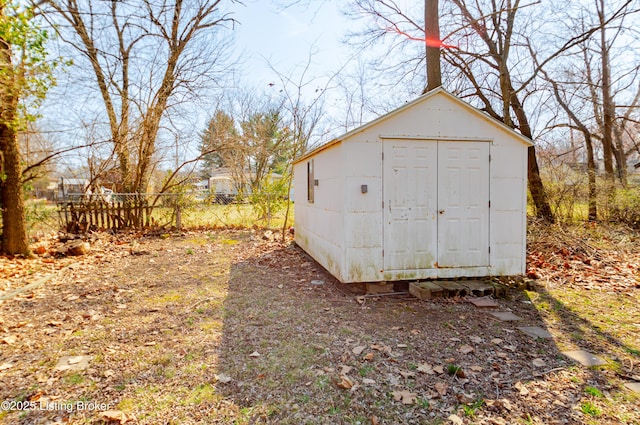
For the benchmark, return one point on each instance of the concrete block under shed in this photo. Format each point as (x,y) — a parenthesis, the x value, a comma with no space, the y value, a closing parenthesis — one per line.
(453,289)
(425,290)
(380,288)
(478,288)
(499,290)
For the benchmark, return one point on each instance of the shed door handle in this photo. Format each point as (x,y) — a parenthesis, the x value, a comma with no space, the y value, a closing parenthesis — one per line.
(441,212)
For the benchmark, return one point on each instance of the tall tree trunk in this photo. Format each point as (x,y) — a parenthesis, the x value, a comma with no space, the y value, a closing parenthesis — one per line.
(536,187)
(591,173)
(14,231)
(432,43)
(608,110)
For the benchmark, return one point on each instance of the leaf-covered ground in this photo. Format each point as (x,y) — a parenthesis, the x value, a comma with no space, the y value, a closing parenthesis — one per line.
(226,327)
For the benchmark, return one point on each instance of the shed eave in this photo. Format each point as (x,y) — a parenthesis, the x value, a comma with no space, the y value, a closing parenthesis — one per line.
(320,148)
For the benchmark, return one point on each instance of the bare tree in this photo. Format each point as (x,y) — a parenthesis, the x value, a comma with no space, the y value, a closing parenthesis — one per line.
(478,48)
(576,122)
(586,81)
(145,56)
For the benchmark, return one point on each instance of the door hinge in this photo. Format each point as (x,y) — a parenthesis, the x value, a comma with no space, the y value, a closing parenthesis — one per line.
(489,250)
(489,157)
(383,156)
(489,204)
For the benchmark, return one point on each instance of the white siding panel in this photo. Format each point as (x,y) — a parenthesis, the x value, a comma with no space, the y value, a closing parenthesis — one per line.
(364,265)
(364,230)
(363,158)
(358,202)
(508,259)
(506,195)
(507,161)
(507,227)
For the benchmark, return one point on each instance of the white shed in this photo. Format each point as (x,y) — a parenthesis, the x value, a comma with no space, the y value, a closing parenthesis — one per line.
(433,189)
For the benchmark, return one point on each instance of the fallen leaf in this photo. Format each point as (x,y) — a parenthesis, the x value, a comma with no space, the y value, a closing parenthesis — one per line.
(222,378)
(5,366)
(358,350)
(455,419)
(438,369)
(408,375)
(368,356)
(368,381)
(374,420)
(345,370)
(476,368)
(465,349)
(520,387)
(505,403)
(115,416)
(415,331)
(402,346)
(425,368)
(344,382)
(465,398)
(496,341)
(476,339)
(405,397)
(539,363)
(254,354)
(9,340)
(441,388)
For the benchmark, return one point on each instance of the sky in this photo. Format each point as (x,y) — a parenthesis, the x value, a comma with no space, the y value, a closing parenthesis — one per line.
(285,37)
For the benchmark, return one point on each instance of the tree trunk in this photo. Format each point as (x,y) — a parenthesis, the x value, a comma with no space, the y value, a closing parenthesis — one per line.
(432,40)
(591,171)
(536,188)
(14,230)
(538,194)
(608,111)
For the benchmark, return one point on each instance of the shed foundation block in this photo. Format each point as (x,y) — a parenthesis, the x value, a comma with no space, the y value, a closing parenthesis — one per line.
(425,290)
(380,288)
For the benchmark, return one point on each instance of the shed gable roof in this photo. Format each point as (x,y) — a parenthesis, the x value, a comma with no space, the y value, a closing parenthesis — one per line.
(424,98)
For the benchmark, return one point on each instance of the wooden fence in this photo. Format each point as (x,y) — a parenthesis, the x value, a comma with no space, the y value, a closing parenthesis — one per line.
(87,213)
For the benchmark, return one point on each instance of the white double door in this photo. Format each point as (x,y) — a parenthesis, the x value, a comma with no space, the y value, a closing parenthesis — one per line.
(436,204)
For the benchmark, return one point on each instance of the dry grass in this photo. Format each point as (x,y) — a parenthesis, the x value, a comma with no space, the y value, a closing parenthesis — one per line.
(224,327)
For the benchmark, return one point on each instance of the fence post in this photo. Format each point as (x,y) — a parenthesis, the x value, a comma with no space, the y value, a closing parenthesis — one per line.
(268,210)
(178,215)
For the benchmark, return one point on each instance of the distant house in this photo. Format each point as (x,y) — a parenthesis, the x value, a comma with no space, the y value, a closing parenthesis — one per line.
(72,186)
(434,189)
(224,182)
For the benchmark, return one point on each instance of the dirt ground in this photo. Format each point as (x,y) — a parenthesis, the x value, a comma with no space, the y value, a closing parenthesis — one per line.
(227,327)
